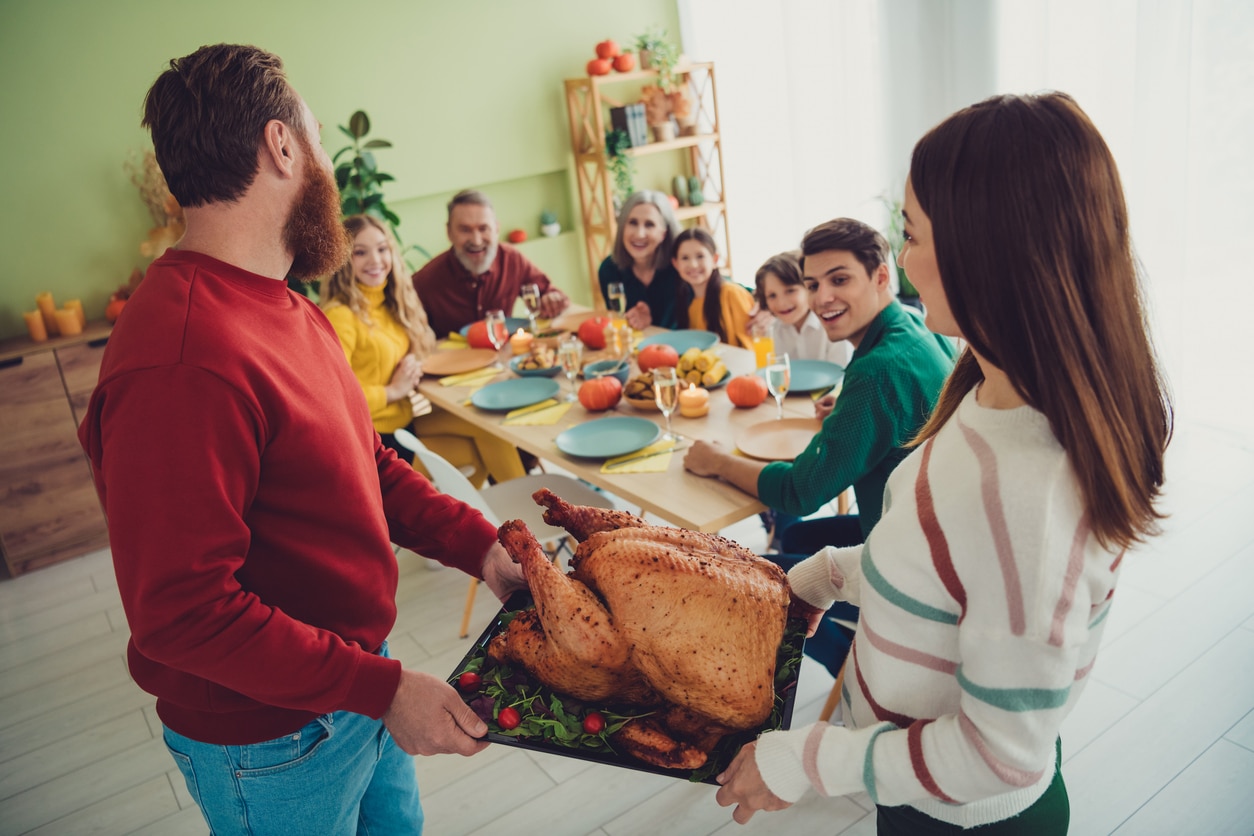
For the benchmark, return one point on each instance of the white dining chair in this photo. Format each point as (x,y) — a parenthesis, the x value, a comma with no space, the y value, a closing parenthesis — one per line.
(504,501)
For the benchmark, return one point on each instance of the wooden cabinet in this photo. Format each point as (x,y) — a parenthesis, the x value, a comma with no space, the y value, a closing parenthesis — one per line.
(49,510)
(587,105)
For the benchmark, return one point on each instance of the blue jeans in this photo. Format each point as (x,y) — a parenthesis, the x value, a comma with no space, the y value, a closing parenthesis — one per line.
(341,774)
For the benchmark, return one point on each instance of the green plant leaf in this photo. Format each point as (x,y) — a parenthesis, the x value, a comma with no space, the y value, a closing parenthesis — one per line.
(377,143)
(367,161)
(372,201)
(346,132)
(383,178)
(395,222)
(359,123)
(350,206)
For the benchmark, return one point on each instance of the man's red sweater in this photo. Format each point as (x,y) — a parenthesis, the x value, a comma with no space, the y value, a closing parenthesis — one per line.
(251,506)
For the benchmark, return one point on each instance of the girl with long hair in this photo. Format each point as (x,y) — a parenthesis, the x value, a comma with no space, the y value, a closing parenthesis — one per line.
(706,300)
(383,329)
(986,585)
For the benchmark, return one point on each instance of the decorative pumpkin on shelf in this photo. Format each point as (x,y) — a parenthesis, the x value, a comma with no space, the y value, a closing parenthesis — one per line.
(747,391)
(600,393)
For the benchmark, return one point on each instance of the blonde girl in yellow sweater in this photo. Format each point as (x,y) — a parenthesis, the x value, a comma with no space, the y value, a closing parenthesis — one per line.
(384,332)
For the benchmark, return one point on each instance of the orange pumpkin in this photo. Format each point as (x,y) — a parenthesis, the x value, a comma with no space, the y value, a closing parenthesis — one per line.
(600,393)
(655,356)
(747,391)
(600,66)
(592,332)
(114,308)
(477,336)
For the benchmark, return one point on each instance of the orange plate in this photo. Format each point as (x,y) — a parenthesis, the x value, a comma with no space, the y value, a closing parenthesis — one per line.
(777,440)
(458,360)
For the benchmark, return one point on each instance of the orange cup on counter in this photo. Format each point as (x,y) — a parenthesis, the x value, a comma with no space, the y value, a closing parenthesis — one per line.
(67,322)
(49,310)
(35,325)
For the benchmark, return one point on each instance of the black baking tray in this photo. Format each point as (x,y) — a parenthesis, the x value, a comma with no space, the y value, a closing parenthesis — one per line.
(720,758)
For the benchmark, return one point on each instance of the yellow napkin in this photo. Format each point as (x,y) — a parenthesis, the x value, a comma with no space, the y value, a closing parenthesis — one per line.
(454,341)
(653,464)
(465,378)
(537,415)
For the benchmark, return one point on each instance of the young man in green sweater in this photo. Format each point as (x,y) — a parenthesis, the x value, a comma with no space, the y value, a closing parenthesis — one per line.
(890,386)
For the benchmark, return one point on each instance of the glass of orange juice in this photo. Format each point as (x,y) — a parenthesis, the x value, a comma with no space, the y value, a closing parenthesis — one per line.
(763,345)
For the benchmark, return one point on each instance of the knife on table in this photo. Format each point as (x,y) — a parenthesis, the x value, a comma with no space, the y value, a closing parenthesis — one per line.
(644,456)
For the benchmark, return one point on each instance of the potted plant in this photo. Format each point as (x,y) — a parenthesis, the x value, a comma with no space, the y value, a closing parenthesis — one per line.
(682,110)
(620,164)
(646,45)
(657,112)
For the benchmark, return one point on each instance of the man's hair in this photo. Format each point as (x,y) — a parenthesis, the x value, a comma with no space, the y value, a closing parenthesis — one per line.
(867,245)
(468,197)
(785,266)
(207,114)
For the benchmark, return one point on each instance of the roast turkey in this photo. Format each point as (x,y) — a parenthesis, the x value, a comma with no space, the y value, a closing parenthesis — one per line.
(650,616)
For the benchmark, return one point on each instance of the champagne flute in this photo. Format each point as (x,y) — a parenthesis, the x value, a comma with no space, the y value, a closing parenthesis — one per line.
(778,377)
(531,299)
(497,333)
(666,395)
(570,355)
(616,300)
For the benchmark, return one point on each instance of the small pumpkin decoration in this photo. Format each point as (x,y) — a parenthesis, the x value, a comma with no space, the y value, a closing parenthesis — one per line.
(600,393)
(592,332)
(694,402)
(655,356)
(477,336)
(747,391)
(114,308)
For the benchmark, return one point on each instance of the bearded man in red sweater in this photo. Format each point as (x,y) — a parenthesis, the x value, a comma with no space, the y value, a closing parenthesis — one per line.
(251,505)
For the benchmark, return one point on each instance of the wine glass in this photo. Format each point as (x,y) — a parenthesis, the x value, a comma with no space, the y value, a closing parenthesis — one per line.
(570,355)
(497,333)
(531,299)
(778,376)
(616,300)
(666,395)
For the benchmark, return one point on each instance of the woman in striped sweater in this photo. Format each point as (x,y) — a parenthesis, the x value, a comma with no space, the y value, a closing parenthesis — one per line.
(985,587)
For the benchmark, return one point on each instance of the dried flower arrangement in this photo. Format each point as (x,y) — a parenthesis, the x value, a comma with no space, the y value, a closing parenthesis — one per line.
(165,210)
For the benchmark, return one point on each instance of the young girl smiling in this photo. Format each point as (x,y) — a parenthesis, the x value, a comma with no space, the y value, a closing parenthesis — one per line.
(705,300)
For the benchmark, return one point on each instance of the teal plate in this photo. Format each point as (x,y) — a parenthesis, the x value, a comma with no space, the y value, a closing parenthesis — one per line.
(605,438)
(811,376)
(512,324)
(513,394)
(683,340)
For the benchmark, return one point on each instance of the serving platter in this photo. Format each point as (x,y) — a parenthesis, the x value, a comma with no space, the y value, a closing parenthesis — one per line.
(514,394)
(778,440)
(811,376)
(605,438)
(554,727)
(682,340)
(457,361)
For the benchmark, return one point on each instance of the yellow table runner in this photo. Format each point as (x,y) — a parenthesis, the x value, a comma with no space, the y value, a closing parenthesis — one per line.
(656,458)
(537,415)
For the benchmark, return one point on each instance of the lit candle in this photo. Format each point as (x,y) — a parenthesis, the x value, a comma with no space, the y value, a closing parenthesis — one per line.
(520,343)
(35,324)
(76,305)
(67,322)
(49,310)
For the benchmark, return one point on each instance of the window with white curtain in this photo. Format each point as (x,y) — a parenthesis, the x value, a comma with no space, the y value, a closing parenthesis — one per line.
(822,100)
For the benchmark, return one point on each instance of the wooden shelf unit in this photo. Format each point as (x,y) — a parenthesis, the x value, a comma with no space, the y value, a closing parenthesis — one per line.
(49,510)
(587,107)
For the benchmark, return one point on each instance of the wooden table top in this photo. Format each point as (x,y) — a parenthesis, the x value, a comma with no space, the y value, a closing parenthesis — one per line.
(677,496)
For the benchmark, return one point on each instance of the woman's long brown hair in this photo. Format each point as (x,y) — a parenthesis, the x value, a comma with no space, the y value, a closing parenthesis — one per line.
(712,305)
(1031,235)
(399,297)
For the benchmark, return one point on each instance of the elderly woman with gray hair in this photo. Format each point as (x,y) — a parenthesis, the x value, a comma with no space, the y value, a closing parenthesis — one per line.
(641,260)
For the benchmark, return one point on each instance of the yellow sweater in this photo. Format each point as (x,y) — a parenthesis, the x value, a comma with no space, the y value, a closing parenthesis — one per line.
(374,351)
(735,302)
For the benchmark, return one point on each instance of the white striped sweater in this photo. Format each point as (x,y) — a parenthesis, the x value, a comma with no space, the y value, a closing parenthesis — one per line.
(983,597)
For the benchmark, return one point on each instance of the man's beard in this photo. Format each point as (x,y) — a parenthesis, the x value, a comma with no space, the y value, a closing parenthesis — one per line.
(314,234)
(489,256)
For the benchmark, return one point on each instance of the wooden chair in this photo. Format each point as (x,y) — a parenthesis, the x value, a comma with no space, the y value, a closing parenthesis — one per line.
(504,501)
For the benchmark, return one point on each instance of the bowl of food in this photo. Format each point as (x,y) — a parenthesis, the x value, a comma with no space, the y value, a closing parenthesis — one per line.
(607,368)
(638,392)
(541,362)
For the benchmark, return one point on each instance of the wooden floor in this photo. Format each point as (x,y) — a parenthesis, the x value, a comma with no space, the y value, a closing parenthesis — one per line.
(1162,743)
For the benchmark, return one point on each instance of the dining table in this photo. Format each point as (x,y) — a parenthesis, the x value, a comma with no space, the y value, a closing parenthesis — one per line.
(675,495)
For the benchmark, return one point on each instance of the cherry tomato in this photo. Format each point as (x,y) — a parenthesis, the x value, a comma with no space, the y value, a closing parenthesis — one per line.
(594,723)
(469,681)
(509,718)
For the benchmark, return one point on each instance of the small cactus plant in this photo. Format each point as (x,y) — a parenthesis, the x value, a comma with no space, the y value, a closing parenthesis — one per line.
(695,195)
(548,224)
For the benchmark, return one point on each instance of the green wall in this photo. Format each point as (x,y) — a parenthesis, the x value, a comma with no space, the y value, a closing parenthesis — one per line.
(469,93)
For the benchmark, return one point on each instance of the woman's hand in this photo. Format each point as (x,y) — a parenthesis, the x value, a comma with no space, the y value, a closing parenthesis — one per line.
(405,379)
(639,316)
(743,786)
(823,406)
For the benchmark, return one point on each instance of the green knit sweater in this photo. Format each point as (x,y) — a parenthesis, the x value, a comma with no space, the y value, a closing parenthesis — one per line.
(890,387)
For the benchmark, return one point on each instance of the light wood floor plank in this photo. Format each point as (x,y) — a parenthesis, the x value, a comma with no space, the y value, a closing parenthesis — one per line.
(486,795)
(1215,789)
(182,823)
(124,812)
(28,705)
(74,718)
(54,641)
(69,754)
(1242,733)
(47,669)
